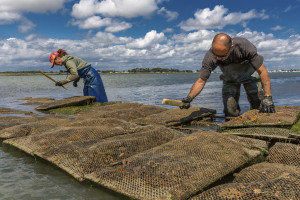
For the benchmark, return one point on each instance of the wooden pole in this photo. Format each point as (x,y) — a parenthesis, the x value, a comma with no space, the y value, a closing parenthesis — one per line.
(51,78)
(173,102)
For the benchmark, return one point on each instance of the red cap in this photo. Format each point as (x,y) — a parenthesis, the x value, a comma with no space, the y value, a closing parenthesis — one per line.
(52,58)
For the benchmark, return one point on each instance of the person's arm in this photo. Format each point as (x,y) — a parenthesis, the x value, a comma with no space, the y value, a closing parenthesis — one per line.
(71,66)
(197,88)
(266,105)
(209,63)
(265,79)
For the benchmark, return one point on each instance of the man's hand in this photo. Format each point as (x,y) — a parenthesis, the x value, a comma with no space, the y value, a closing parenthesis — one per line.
(267,105)
(187,100)
(58,83)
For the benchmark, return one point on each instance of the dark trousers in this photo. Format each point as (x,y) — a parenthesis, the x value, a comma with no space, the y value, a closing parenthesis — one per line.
(231,95)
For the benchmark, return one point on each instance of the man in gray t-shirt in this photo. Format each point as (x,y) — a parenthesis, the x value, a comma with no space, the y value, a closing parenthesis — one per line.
(240,64)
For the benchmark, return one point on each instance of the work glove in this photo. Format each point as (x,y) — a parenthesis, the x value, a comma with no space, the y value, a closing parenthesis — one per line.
(58,83)
(187,100)
(75,83)
(267,105)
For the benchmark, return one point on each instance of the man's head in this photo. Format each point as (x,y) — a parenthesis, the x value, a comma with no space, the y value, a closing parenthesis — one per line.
(221,46)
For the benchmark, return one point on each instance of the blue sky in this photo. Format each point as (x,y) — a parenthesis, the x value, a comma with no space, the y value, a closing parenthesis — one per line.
(124,34)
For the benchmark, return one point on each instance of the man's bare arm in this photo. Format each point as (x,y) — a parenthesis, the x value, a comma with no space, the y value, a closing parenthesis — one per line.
(197,88)
(265,79)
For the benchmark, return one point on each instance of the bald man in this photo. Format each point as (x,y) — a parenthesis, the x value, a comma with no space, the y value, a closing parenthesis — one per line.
(238,60)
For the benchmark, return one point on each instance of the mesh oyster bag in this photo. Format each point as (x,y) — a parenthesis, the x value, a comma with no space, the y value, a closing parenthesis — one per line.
(285,153)
(176,116)
(82,150)
(280,188)
(179,168)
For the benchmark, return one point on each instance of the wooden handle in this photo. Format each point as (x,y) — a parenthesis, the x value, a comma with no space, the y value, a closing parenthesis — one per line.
(173,102)
(51,78)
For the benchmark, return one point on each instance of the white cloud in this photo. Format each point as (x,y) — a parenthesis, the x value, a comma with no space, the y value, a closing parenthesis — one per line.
(254,36)
(118,26)
(161,1)
(217,18)
(296,53)
(34,6)
(96,22)
(88,12)
(168,30)
(92,22)
(182,51)
(276,52)
(168,14)
(277,28)
(84,9)
(194,37)
(114,8)
(106,38)
(7,17)
(33,37)
(268,45)
(26,25)
(148,41)
(12,11)
(287,9)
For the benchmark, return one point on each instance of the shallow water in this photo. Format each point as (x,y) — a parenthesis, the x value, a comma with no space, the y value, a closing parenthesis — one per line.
(23,177)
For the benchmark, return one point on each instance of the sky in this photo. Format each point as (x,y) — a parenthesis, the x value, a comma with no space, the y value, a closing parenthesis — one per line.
(125,34)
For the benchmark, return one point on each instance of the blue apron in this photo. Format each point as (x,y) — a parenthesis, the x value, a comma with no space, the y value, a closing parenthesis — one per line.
(93,85)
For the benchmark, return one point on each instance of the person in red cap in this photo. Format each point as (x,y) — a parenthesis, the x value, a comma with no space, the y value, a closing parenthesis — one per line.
(93,85)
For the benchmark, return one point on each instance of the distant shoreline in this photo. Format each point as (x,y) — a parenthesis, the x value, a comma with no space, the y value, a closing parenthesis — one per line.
(65,73)
(30,73)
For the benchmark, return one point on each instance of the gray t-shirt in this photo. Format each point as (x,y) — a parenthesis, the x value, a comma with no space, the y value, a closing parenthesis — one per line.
(243,52)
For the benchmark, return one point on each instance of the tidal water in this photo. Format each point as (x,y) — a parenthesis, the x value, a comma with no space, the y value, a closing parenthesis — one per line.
(23,177)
